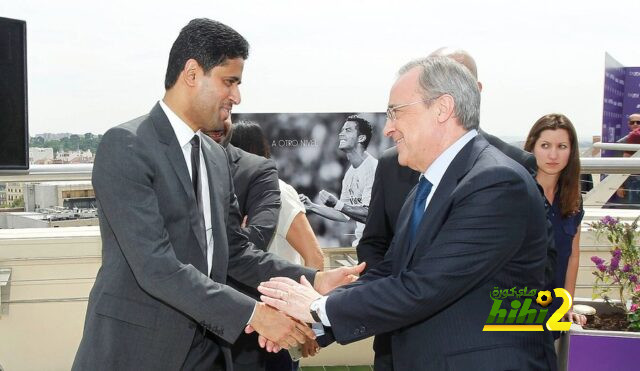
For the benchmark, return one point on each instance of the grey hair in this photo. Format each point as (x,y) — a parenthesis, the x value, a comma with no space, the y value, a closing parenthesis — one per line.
(442,75)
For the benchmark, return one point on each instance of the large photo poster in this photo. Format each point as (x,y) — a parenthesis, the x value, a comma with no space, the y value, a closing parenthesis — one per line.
(330,160)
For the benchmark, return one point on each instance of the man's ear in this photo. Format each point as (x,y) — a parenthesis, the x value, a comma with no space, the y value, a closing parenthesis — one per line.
(190,72)
(446,108)
(362,138)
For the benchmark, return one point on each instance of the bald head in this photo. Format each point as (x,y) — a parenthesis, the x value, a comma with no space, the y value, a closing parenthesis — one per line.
(459,55)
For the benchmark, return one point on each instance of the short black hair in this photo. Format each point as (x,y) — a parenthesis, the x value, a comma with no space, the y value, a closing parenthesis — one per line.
(209,42)
(248,136)
(364,128)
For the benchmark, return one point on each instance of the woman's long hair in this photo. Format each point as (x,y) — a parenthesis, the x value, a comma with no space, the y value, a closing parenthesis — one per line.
(248,135)
(569,180)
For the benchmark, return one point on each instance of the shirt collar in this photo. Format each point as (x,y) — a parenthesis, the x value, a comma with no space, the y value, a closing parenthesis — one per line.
(183,132)
(436,171)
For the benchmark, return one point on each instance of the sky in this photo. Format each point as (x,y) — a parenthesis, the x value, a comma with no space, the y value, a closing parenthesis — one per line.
(93,65)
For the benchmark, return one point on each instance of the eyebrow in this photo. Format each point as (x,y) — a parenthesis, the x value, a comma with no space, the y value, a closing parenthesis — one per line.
(234,79)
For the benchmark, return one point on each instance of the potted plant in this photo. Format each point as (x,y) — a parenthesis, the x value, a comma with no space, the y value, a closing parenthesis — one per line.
(611,338)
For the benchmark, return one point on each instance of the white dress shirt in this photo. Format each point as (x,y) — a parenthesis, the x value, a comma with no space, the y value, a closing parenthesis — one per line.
(434,174)
(184,134)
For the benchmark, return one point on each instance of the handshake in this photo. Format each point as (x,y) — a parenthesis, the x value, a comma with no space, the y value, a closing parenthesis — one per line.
(281,319)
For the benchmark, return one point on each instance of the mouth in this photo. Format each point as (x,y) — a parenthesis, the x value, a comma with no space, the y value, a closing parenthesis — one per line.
(552,164)
(399,140)
(227,109)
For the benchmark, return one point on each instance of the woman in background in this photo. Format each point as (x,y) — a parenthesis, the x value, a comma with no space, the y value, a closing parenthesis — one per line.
(294,239)
(554,143)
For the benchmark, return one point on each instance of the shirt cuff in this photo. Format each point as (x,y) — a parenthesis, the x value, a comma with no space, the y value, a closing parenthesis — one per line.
(252,313)
(318,329)
(322,311)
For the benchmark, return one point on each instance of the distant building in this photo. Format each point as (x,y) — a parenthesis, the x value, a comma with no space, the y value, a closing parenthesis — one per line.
(3,194)
(75,157)
(14,191)
(70,194)
(53,219)
(40,155)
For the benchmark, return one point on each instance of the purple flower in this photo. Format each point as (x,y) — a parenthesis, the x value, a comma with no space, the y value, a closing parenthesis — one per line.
(601,267)
(608,220)
(597,260)
(615,262)
(617,253)
(626,268)
(633,278)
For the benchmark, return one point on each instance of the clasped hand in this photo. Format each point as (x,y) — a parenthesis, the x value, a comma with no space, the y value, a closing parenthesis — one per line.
(289,297)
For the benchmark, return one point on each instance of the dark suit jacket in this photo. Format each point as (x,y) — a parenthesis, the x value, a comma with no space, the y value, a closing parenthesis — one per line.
(255,179)
(150,291)
(484,227)
(391,186)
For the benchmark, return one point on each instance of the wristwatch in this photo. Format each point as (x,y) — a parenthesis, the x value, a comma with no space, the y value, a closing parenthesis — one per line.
(314,309)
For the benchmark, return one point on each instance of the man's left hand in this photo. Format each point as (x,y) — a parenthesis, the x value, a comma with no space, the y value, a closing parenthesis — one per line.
(328,280)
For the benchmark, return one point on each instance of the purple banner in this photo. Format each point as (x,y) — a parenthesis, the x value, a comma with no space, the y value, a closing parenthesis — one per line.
(614,94)
(631,102)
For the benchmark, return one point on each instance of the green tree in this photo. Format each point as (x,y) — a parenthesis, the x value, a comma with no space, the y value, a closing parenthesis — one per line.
(18,202)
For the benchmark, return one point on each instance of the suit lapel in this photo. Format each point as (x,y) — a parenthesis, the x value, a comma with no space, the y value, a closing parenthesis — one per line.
(437,210)
(177,161)
(401,237)
(220,252)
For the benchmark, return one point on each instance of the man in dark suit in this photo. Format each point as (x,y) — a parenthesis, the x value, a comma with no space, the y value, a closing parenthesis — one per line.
(170,228)
(391,186)
(255,180)
(475,221)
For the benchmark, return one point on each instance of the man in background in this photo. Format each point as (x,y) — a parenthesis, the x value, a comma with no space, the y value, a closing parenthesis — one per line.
(255,181)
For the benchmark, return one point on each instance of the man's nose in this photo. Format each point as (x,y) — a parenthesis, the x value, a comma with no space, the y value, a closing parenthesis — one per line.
(389,128)
(235,94)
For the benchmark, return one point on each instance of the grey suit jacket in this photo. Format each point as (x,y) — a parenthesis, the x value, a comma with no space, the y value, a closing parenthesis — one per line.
(150,291)
(484,227)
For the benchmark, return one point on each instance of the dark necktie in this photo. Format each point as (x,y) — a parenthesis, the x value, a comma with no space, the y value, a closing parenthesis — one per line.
(424,187)
(195,169)
(197,185)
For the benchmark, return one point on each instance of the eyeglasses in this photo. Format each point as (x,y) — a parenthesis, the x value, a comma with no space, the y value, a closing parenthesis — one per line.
(391,111)
(635,122)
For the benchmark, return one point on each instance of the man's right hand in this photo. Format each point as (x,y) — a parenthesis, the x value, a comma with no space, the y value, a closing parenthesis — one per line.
(327,198)
(279,328)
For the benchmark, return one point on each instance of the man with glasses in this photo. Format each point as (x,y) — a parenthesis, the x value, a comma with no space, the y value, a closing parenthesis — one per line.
(475,221)
(390,188)
(353,140)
